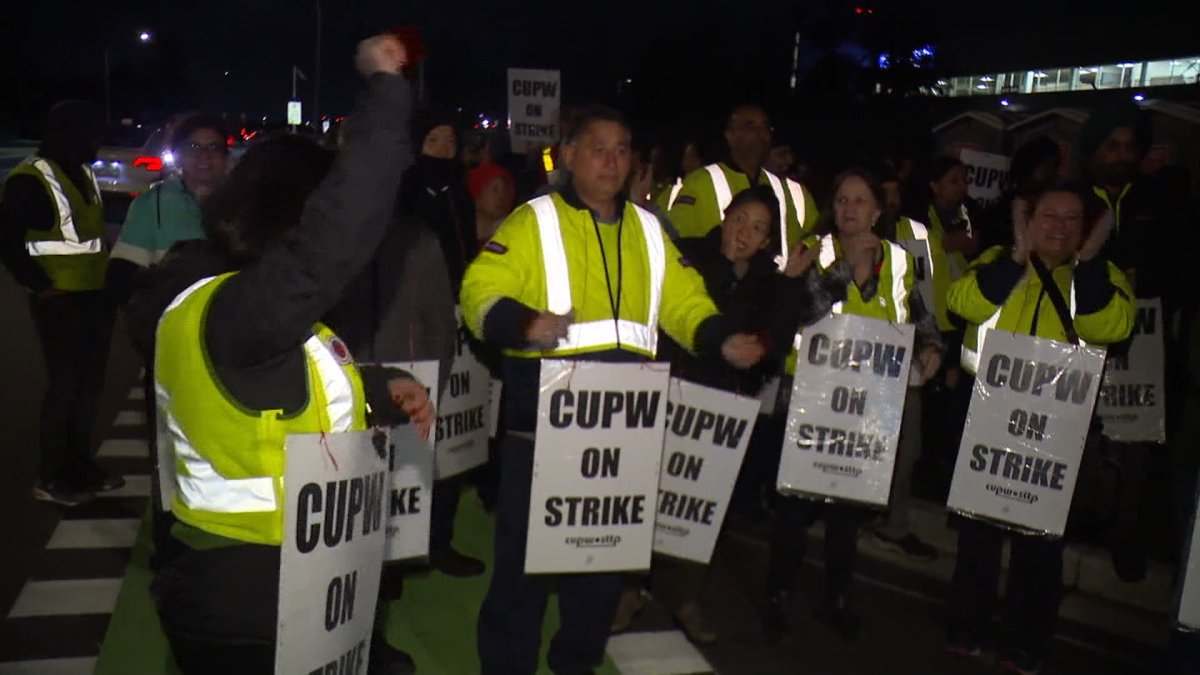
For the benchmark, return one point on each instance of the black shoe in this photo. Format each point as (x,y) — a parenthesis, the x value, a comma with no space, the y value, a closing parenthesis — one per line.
(776,617)
(63,493)
(96,479)
(387,660)
(835,612)
(1130,565)
(454,564)
(961,643)
(909,545)
(1020,662)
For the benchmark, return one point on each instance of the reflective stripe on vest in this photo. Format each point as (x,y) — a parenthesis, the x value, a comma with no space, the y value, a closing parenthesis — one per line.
(826,257)
(558,285)
(898,269)
(797,192)
(70,244)
(781,197)
(201,487)
(921,233)
(898,259)
(969,359)
(675,190)
(721,189)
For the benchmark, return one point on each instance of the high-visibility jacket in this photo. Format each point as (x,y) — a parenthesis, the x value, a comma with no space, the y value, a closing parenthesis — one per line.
(890,302)
(72,252)
(938,264)
(700,205)
(1027,307)
(665,197)
(547,256)
(230,461)
(1102,194)
(957,261)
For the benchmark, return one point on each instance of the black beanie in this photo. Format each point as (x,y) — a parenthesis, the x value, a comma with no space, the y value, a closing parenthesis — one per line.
(1114,116)
(425,121)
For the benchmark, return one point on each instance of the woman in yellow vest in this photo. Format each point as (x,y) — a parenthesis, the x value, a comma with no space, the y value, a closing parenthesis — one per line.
(1005,290)
(864,275)
(241,362)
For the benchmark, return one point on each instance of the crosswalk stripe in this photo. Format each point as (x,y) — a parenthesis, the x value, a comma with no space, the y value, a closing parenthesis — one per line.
(137,394)
(665,652)
(79,666)
(98,533)
(68,597)
(124,447)
(135,486)
(130,418)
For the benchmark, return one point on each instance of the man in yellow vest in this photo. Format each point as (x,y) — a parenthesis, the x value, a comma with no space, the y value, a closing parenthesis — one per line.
(51,240)
(700,204)
(579,273)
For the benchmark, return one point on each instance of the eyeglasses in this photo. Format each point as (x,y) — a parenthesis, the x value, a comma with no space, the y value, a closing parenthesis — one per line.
(197,148)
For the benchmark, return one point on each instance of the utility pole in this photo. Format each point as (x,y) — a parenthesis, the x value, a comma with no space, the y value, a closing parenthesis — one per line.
(317,75)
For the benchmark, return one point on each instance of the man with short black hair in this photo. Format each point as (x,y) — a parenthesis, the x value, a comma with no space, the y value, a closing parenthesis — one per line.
(701,202)
(617,268)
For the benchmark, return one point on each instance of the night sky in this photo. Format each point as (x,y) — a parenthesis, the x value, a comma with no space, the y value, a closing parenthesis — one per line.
(679,53)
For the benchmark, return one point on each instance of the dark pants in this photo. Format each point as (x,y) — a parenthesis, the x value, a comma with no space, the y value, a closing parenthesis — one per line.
(510,621)
(74,330)
(789,542)
(1032,596)
(760,466)
(1129,531)
(446,494)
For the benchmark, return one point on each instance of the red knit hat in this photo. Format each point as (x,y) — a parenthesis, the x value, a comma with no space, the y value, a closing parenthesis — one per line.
(483,174)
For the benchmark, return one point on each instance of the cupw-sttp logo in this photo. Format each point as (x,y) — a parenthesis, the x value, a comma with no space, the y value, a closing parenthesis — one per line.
(607,541)
(838,469)
(1008,493)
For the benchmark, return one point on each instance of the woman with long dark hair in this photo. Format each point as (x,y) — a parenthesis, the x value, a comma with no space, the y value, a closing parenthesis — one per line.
(241,362)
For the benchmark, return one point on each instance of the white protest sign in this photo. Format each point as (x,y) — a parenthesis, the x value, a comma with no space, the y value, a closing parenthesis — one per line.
(534,97)
(1188,616)
(462,420)
(409,502)
(707,434)
(768,396)
(1131,399)
(847,404)
(332,551)
(987,175)
(1030,412)
(494,411)
(595,466)
(410,499)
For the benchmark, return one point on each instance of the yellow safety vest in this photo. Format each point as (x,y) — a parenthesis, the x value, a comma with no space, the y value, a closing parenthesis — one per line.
(891,297)
(72,252)
(230,460)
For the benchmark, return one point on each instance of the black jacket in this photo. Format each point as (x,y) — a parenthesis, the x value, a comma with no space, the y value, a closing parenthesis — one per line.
(1139,242)
(749,306)
(401,307)
(435,191)
(254,334)
(260,318)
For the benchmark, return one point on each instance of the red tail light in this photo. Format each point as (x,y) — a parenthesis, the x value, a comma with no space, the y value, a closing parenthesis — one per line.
(148,163)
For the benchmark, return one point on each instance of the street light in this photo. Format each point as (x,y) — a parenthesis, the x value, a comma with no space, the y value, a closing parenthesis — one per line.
(145,37)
